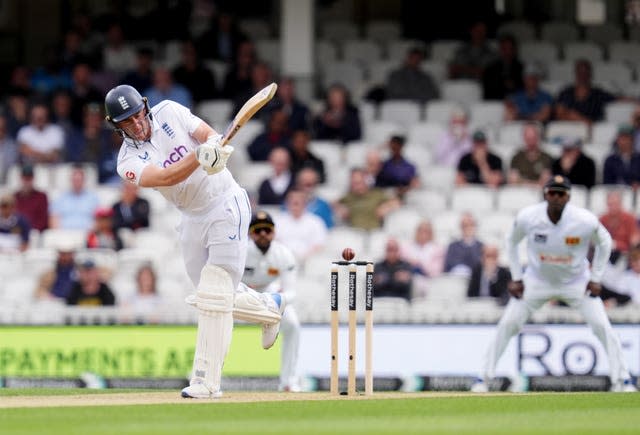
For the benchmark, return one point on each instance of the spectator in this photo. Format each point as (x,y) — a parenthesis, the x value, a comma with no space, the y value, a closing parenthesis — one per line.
(141,77)
(83,92)
(74,209)
(339,120)
(70,53)
(530,103)
(397,171)
(286,101)
(222,40)
(118,56)
(49,76)
(193,75)
(455,142)
(393,277)
(145,303)
(17,111)
(261,76)
(582,101)
(530,166)
(503,76)
(56,283)
(89,143)
(409,82)
(480,166)
(302,157)
(307,182)
(623,165)
(103,235)
(488,278)
(300,230)
(372,166)
(364,207)
(131,211)
(30,202)
(629,283)
(14,228)
(238,78)
(424,254)
(61,107)
(165,89)
(274,189)
(621,225)
(8,150)
(574,164)
(40,141)
(89,289)
(472,57)
(465,253)
(275,136)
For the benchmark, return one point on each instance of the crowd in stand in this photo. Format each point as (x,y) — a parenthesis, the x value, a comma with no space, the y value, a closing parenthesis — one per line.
(53,114)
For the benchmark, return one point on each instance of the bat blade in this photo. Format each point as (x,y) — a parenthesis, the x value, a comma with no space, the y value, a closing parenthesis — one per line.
(247,111)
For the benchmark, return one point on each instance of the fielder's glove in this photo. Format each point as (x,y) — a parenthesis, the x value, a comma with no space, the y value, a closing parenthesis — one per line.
(212,156)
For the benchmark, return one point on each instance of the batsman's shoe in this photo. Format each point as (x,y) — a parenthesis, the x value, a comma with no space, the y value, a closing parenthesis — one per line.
(198,390)
(625,386)
(270,331)
(480,386)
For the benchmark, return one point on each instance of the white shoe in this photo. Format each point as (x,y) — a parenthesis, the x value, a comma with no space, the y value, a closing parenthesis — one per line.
(198,390)
(270,330)
(625,386)
(479,386)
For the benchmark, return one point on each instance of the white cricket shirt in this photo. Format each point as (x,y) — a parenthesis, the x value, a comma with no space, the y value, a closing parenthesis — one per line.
(557,253)
(172,126)
(272,271)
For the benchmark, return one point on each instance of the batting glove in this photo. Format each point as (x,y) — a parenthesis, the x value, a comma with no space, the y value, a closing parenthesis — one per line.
(212,156)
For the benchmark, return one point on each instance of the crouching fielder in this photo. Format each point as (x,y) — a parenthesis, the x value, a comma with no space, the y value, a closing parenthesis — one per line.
(168,148)
(558,238)
(271,268)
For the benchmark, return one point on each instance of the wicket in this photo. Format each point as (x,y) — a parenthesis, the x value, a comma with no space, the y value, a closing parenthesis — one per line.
(335,323)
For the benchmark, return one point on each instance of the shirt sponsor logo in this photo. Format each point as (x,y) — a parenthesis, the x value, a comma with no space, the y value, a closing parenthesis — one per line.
(272,271)
(572,241)
(556,259)
(178,153)
(540,238)
(145,157)
(168,130)
(130,175)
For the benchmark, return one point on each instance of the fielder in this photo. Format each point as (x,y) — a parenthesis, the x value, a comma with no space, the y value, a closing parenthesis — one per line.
(558,238)
(170,149)
(271,268)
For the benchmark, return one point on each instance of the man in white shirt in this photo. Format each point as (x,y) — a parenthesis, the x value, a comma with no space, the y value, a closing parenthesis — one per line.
(271,268)
(40,141)
(168,148)
(558,238)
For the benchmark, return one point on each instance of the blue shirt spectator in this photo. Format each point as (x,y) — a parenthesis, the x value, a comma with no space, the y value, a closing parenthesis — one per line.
(465,253)
(396,171)
(623,165)
(165,89)
(14,228)
(74,209)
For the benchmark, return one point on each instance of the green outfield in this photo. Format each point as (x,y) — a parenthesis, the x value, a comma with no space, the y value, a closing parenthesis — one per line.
(319,413)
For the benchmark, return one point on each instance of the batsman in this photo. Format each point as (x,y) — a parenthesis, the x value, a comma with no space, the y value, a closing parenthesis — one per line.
(168,148)
(559,236)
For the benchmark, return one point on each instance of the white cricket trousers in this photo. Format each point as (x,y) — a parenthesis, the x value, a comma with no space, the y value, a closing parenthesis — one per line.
(290,329)
(518,312)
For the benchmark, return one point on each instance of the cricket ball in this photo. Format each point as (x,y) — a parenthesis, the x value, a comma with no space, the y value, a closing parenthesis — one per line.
(348,254)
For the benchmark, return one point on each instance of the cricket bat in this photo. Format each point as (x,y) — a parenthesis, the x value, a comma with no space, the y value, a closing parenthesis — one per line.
(247,111)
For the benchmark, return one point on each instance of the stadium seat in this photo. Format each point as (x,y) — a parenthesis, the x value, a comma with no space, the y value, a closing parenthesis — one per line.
(553,87)
(172,54)
(444,50)
(330,152)
(427,202)
(559,32)
(39,260)
(464,92)
(426,133)
(493,226)
(561,72)
(448,288)
(513,198)
(269,51)
(376,244)
(437,69)
(439,177)
(355,152)
(603,34)
(624,51)
(341,236)
(511,133)
(379,132)
(440,111)
(61,176)
(216,112)
(579,196)
(567,129)
(614,76)
(326,51)
(487,114)
(604,132)
(419,155)
(542,52)
(107,194)
(52,238)
(368,111)
(11,265)
(339,30)
(598,197)
(402,112)
(619,111)
(361,51)
(255,28)
(402,222)
(349,74)
(574,50)
(42,177)
(252,175)
(382,30)
(519,29)
(378,72)
(397,49)
(473,198)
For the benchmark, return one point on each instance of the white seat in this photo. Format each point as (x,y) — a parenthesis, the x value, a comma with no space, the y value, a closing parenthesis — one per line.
(269,51)
(326,51)
(579,196)
(379,132)
(598,152)
(159,241)
(543,52)
(402,222)
(569,129)
(582,50)
(439,177)
(245,136)
(401,112)
(487,114)
(108,195)
(553,87)
(368,111)
(520,29)
(473,198)
(624,51)
(619,111)
(41,177)
(157,202)
(342,236)
(440,111)
(330,152)
(598,197)
(603,34)
(561,72)
(615,74)
(390,310)
(255,28)
(19,292)
(361,51)
(253,174)
(216,112)
(131,259)
(437,69)
(39,260)
(443,49)
(492,228)
(427,202)
(54,237)
(559,32)
(172,54)
(418,154)
(446,226)
(349,74)
(427,133)
(511,132)
(379,71)
(449,288)
(355,153)
(513,198)
(397,48)
(61,176)
(11,264)
(382,30)
(464,92)
(604,132)
(339,30)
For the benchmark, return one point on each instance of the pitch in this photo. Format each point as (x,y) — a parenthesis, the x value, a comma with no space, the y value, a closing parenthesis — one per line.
(143,412)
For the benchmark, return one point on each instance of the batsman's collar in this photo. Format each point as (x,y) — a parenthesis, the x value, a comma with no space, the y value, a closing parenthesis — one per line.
(261,219)
(558,183)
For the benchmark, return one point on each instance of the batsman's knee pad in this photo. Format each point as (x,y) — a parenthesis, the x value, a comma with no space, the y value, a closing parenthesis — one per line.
(215,291)
(254,307)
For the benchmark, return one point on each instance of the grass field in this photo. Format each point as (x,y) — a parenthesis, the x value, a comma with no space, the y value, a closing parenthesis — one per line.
(318,413)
